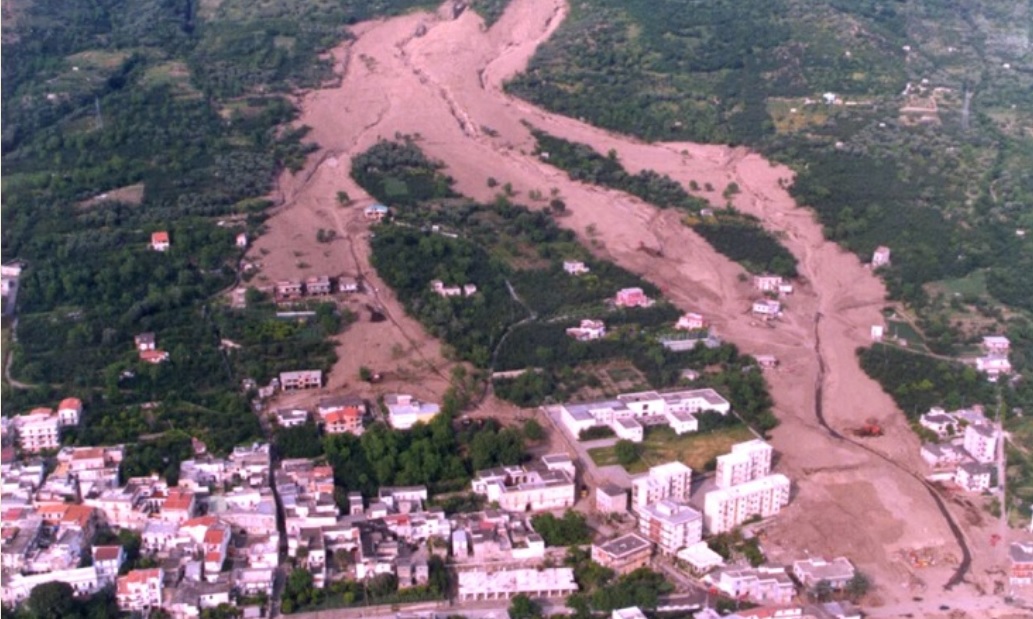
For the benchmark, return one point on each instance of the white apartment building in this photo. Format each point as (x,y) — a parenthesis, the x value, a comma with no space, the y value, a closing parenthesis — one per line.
(38,430)
(545,486)
(727,508)
(836,572)
(766,584)
(747,461)
(84,581)
(404,411)
(981,442)
(139,590)
(555,582)
(671,525)
(672,480)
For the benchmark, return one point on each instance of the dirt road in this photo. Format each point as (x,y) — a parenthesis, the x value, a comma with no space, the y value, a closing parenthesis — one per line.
(444,89)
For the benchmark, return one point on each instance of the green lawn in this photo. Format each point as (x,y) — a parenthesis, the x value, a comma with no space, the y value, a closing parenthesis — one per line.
(904,330)
(661,445)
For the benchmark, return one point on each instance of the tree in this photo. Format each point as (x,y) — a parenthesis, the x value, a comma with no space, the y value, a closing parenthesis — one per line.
(822,591)
(365,374)
(343,198)
(523,607)
(858,585)
(533,431)
(558,205)
(627,452)
(52,600)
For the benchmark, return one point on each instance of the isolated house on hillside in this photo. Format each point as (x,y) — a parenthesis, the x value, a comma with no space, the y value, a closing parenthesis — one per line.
(767,283)
(881,257)
(589,330)
(632,297)
(575,267)
(376,212)
(160,241)
(691,322)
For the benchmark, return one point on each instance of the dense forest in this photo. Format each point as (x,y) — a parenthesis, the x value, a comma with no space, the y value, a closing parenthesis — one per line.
(122,119)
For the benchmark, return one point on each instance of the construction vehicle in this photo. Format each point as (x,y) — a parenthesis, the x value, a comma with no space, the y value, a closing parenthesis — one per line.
(869,429)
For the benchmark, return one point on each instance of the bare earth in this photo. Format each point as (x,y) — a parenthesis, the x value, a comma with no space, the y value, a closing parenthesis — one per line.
(445,88)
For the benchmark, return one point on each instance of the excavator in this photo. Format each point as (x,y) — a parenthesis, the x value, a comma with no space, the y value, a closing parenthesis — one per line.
(869,429)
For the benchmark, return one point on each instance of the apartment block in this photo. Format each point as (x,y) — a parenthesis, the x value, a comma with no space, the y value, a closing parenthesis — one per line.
(726,508)
(624,554)
(672,480)
(747,461)
(671,525)
(139,591)
(981,442)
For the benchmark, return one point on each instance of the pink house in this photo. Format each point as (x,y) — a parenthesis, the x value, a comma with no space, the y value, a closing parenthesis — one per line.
(632,297)
(691,322)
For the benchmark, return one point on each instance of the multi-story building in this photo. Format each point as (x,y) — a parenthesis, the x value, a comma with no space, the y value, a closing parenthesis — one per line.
(836,572)
(139,590)
(38,430)
(727,508)
(343,421)
(611,499)
(981,442)
(555,582)
(974,476)
(674,408)
(672,480)
(624,554)
(544,486)
(747,461)
(69,411)
(301,379)
(671,525)
(1020,555)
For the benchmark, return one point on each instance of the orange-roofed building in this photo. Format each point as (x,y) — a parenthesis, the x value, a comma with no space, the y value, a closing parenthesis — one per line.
(69,411)
(344,420)
(139,590)
(154,356)
(216,549)
(178,506)
(160,241)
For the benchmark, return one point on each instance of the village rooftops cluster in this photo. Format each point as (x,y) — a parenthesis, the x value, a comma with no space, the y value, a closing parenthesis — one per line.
(627,413)
(995,362)
(967,448)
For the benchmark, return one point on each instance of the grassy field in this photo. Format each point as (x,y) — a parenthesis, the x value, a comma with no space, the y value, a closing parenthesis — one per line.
(663,445)
(904,330)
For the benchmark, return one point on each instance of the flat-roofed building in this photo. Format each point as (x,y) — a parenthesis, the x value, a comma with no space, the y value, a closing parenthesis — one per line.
(1020,556)
(671,525)
(624,554)
(632,612)
(767,584)
(404,411)
(726,508)
(837,572)
(538,487)
(700,558)
(981,442)
(301,379)
(38,430)
(611,499)
(746,461)
(672,480)
(555,582)
(974,476)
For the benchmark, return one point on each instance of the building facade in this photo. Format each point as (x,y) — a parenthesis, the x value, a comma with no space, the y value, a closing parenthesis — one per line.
(726,508)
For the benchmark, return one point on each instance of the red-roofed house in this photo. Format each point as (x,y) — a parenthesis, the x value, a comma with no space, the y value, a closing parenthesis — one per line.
(139,590)
(160,241)
(344,420)
(178,506)
(691,322)
(154,356)
(69,411)
(216,548)
(107,560)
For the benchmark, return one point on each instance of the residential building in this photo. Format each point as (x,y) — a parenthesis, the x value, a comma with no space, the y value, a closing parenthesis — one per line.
(348,284)
(727,508)
(242,240)
(942,454)
(107,560)
(404,411)
(767,361)
(624,554)
(575,267)
(69,411)
(974,476)
(700,558)
(939,422)
(290,417)
(288,289)
(1020,555)
(671,525)
(633,612)
(995,365)
(691,322)
(766,584)
(672,480)
(38,430)
(301,379)
(767,283)
(376,212)
(837,572)
(140,590)
(318,285)
(441,289)
(767,308)
(877,332)
(154,356)
(343,421)
(747,461)
(632,297)
(589,330)
(160,241)
(84,581)
(611,499)
(881,257)
(996,344)
(981,442)
(178,506)
(555,582)
(537,487)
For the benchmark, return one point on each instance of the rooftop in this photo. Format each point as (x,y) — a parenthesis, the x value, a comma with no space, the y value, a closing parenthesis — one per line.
(625,544)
